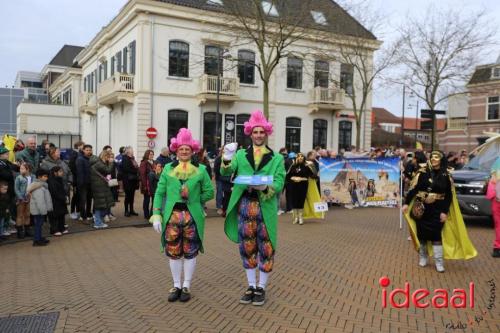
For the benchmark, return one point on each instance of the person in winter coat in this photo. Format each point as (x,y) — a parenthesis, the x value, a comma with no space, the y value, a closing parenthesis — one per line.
(100,174)
(4,210)
(56,189)
(54,159)
(73,155)
(7,171)
(130,177)
(144,169)
(83,183)
(40,204)
(29,154)
(23,200)
(154,178)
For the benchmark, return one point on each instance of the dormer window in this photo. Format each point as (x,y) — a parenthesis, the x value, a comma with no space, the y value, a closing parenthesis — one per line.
(319,17)
(495,73)
(215,2)
(269,8)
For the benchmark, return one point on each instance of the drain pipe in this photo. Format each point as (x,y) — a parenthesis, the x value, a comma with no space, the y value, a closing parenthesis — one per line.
(152,69)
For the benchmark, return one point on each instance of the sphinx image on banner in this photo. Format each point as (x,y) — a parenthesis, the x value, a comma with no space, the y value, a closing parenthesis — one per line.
(361,182)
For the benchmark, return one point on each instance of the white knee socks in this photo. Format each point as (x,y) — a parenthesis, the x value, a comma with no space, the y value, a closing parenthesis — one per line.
(263,279)
(189,266)
(176,269)
(252,277)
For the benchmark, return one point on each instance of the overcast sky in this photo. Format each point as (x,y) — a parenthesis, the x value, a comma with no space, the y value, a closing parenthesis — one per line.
(32,31)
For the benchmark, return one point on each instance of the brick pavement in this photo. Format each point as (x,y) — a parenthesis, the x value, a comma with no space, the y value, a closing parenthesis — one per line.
(325,280)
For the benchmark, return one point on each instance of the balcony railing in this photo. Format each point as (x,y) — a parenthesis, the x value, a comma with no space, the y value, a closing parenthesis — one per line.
(457,124)
(326,98)
(229,87)
(115,89)
(87,102)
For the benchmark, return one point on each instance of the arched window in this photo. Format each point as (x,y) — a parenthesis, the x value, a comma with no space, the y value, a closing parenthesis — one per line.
(242,139)
(176,119)
(320,133)
(210,143)
(246,66)
(345,134)
(178,63)
(292,134)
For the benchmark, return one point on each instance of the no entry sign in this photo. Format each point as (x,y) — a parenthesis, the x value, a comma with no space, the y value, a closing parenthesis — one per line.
(151,132)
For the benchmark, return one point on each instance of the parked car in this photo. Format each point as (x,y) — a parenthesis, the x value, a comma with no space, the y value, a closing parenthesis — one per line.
(472,180)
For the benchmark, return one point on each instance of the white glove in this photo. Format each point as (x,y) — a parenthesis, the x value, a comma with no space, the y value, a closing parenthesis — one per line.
(229,151)
(156,220)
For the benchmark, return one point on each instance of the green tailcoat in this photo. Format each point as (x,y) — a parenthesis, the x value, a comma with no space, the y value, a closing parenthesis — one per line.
(200,190)
(243,164)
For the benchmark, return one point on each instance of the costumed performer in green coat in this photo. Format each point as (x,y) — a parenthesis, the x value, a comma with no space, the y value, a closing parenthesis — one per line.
(187,187)
(252,214)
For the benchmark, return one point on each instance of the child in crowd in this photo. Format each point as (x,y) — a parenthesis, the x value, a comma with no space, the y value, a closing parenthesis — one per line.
(4,210)
(40,204)
(23,180)
(58,195)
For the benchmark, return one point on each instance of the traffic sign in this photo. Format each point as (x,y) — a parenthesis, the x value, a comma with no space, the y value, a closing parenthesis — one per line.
(426,113)
(426,125)
(151,132)
(151,144)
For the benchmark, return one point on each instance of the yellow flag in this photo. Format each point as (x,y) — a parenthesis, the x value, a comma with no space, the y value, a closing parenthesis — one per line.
(9,142)
(419,146)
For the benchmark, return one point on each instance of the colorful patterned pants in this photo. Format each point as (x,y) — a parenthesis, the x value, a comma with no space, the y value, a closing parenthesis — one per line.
(181,235)
(253,238)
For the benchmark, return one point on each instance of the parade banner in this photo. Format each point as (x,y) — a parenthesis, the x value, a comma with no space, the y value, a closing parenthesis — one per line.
(360,182)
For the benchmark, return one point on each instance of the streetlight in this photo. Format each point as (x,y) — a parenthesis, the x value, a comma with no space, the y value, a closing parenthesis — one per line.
(220,57)
(410,106)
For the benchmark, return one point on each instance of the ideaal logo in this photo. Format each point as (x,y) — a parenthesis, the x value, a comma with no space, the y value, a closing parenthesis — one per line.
(423,298)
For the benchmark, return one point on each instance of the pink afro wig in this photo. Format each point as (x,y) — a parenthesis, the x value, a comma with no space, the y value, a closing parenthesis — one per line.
(257,119)
(184,138)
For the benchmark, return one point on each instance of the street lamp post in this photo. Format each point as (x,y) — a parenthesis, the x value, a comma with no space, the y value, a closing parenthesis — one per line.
(403,117)
(220,59)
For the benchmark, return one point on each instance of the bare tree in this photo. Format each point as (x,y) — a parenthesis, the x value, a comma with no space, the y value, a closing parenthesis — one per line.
(440,50)
(271,28)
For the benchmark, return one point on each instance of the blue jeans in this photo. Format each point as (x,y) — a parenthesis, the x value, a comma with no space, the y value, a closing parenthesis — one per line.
(98,217)
(38,220)
(1,225)
(145,206)
(219,194)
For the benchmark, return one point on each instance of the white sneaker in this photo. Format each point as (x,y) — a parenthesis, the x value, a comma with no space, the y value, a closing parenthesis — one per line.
(58,234)
(75,216)
(13,231)
(6,233)
(111,217)
(12,222)
(65,231)
(106,219)
(104,225)
(280,212)
(89,218)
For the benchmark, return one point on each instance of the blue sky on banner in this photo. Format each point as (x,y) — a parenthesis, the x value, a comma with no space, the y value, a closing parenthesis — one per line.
(370,168)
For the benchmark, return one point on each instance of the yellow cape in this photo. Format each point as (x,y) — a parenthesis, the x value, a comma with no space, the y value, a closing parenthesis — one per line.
(456,242)
(312,197)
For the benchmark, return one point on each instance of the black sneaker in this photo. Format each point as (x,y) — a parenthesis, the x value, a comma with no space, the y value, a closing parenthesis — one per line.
(247,297)
(496,253)
(175,294)
(259,296)
(185,295)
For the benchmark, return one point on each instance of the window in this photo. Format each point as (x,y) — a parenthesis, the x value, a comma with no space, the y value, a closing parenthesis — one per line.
(213,60)
(346,78)
(246,69)
(66,97)
(292,134)
(113,66)
(320,132)
(132,57)
(125,59)
(118,57)
(176,119)
(319,17)
(294,73)
(242,139)
(100,75)
(209,126)
(85,84)
(105,69)
(495,73)
(321,73)
(493,108)
(269,8)
(345,134)
(178,61)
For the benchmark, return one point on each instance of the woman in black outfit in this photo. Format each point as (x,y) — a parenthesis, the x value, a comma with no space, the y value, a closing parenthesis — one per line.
(433,185)
(297,179)
(130,176)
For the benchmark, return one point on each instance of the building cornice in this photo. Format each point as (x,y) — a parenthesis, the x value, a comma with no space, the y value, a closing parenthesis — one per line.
(65,77)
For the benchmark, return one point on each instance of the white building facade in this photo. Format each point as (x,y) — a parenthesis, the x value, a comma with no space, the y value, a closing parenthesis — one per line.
(156,63)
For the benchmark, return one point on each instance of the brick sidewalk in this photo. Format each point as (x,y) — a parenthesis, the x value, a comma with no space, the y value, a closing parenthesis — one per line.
(325,280)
